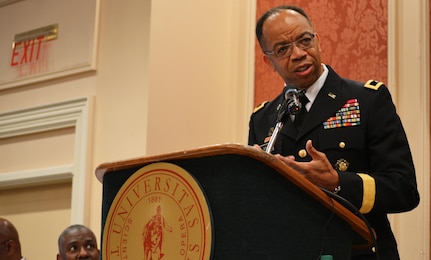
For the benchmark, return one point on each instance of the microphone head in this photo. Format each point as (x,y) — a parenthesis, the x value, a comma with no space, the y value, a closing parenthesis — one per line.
(294,105)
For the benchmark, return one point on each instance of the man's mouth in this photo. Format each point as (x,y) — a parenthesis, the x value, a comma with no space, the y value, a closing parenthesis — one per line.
(303,68)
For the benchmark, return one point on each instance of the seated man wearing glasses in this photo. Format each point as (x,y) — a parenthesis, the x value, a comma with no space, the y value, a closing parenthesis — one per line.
(10,247)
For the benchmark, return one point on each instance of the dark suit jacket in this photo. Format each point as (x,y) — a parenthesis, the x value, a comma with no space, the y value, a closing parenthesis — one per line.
(369,149)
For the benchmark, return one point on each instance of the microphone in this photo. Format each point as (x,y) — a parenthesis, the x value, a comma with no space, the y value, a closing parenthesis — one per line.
(294,105)
(291,106)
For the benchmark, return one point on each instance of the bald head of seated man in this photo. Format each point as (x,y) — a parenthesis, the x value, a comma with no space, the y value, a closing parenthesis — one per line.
(10,246)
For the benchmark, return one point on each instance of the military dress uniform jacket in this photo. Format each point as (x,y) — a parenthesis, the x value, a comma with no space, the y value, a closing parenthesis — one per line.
(357,127)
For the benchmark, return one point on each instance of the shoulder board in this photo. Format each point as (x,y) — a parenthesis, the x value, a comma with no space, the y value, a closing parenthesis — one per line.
(373,84)
(260,106)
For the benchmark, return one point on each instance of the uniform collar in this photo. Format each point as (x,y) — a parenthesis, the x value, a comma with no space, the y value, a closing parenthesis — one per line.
(314,89)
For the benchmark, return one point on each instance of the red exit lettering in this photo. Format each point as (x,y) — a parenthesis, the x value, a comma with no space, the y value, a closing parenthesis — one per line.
(30,51)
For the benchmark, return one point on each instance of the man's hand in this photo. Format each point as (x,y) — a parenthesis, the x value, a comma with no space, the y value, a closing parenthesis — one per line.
(318,171)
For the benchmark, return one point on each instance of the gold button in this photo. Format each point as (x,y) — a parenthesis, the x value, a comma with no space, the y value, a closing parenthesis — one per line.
(302,153)
(373,249)
(342,145)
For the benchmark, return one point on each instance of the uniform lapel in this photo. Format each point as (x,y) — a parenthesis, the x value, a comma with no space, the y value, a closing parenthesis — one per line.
(272,118)
(327,102)
(289,129)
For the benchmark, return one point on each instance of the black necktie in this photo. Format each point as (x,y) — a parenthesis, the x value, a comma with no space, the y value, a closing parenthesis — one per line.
(299,118)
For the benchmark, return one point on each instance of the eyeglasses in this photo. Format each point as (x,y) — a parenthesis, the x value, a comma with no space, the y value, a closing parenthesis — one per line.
(285,50)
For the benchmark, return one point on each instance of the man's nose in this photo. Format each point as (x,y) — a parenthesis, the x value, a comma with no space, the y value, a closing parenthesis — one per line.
(83,253)
(297,52)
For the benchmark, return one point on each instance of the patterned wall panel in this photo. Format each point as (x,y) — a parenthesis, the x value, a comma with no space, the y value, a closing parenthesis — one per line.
(353,38)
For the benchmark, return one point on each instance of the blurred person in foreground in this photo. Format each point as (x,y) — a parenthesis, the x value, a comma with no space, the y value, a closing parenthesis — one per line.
(351,140)
(10,247)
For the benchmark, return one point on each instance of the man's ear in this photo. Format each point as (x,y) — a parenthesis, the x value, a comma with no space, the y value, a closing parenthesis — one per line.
(59,257)
(318,42)
(11,247)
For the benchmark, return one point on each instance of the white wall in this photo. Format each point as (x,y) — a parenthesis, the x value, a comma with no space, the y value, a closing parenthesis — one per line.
(409,75)
(200,73)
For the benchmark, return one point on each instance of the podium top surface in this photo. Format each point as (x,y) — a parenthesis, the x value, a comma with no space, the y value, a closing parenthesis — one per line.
(213,150)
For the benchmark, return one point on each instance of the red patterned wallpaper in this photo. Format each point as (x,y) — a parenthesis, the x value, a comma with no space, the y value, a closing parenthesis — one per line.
(353,37)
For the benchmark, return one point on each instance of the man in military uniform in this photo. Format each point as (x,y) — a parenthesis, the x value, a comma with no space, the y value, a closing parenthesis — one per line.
(351,141)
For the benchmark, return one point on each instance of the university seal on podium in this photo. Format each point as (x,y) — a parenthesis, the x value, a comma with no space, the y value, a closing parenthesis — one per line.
(160,212)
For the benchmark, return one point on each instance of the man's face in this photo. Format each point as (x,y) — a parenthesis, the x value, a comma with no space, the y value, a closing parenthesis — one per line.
(79,244)
(303,67)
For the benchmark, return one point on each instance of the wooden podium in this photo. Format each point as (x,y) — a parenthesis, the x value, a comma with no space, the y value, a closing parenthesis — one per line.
(258,209)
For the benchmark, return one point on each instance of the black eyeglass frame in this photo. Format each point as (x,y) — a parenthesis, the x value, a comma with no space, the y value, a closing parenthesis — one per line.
(298,43)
